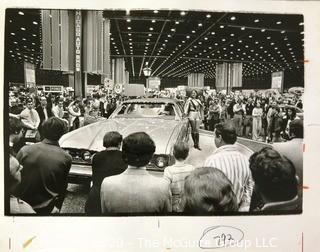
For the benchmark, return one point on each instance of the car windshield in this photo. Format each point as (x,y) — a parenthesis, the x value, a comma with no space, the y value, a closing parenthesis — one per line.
(142,110)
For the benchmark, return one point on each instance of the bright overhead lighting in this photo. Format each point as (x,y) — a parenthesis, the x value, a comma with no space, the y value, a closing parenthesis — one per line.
(155,11)
(283,31)
(208,16)
(177,22)
(301,23)
(128,20)
(221,26)
(193,31)
(200,24)
(151,29)
(256,20)
(231,34)
(182,13)
(15,42)
(129,28)
(23,39)
(35,23)
(279,22)
(205,38)
(23,29)
(173,30)
(243,28)
(263,30)
(129,34)
(12,33)
(21,13)
(233,18)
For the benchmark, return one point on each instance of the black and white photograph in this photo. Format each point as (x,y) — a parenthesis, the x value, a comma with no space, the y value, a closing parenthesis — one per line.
(153,112)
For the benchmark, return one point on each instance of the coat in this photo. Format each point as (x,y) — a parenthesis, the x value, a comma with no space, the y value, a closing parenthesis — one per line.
(44,175)
(135,191)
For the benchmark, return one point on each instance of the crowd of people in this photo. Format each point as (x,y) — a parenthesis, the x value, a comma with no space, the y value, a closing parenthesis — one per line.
(271,179)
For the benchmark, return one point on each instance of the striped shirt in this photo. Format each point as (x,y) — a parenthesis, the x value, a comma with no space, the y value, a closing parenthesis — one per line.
(236,167)
(176,175)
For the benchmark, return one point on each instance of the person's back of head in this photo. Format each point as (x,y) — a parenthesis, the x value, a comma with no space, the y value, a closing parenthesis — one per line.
(15,126)
(208,190)
(225,133)
(112,139)
(296,128)
(274,175)
(53,128)
(138,149)
(181,151)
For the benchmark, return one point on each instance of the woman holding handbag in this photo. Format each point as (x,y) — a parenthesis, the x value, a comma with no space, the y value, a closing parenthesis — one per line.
(194,110)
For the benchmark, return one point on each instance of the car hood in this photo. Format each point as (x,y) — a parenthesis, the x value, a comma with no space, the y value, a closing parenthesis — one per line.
(90,137)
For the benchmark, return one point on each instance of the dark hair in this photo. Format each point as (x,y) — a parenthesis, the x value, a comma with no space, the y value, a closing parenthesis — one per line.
(227,131)
(53,128)
(208,190)
(112,139)
(138,149)
(15,125)
(296,128)
(294,113)
(274,175)
(181,150)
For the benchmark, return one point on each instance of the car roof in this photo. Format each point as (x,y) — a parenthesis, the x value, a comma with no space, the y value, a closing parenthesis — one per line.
(151,100)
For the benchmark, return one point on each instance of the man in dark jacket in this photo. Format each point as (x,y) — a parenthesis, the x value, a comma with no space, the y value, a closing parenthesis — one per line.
(46,168)
(106,163)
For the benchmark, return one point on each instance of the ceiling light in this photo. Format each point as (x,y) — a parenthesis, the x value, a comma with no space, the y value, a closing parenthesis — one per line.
(35,23)
(23,39)
(301,23)
(129,34)
(23,29)
(200,24)
(208,16)
(173,30)
(279,22)
(256,20)
(151,29)
(15,42)
(21,13)
(128,20)
(268,37)
(12,33)
(182,13)
(129,28)
(283,31)
(243,28)
(155,11)
(263,30)
(231,34)
(205,38)
(221,26)
(193,31)
(150,35)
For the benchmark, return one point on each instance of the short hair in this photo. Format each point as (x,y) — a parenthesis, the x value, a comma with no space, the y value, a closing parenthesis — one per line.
(138,149)
(53,128)
(15,125)
(208,190)
(29,100)
(181,150)
(227,131)
(296,128)
(112,139)
(274,175)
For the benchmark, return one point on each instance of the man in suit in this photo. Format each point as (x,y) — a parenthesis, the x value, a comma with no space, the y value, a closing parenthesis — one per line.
(46,168)
(44,112)
(106,163)
(135,190)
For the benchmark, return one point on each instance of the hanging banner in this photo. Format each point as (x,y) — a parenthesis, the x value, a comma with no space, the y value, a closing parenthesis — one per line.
(277,80)
(78,40)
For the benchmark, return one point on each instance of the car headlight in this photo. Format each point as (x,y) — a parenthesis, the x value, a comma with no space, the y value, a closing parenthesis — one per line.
(161,161)
(86,156)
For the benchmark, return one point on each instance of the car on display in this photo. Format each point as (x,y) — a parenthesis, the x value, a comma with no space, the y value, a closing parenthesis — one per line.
(161,118)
